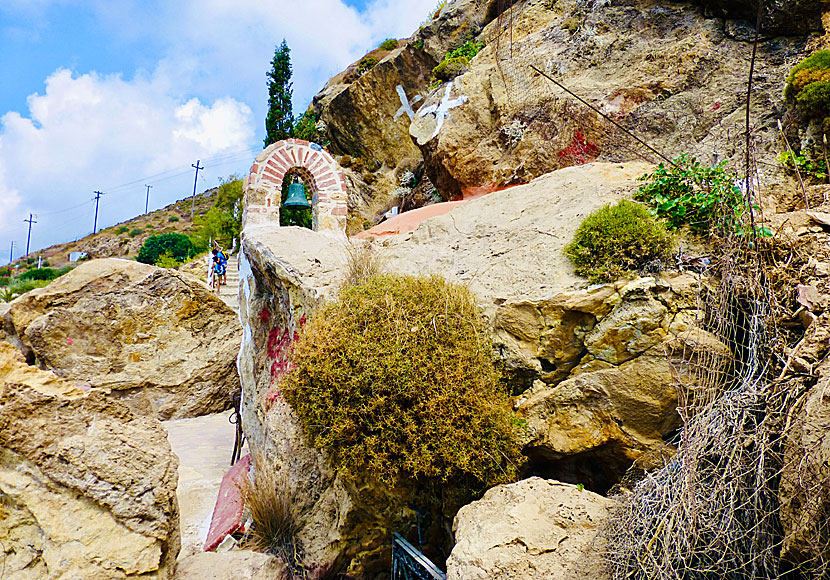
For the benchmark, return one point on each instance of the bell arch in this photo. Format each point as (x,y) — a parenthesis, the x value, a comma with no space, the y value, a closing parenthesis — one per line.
(317,168)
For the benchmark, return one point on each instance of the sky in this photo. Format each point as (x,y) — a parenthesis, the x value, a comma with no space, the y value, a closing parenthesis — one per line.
(97,95)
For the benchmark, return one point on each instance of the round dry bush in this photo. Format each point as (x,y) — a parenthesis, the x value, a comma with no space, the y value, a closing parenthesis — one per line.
(617,239)
(397,379)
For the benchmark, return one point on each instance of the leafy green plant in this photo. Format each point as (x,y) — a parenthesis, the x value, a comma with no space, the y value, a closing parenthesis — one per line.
(279,122)
(397,378)
(306,127)
(166,260)
(173,218)
(136,232)
(366,64)
(688,193)
(223,221)
(122,230)
(467,50)
(178,246)
(617,239)
(807,167)
(389,44)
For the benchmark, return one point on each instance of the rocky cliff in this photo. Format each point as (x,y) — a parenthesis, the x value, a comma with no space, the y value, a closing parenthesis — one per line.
(672,74)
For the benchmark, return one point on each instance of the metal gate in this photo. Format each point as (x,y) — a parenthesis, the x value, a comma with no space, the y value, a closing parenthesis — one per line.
(410,564)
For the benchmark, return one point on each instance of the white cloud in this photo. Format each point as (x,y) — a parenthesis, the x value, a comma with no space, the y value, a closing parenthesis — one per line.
(89,131)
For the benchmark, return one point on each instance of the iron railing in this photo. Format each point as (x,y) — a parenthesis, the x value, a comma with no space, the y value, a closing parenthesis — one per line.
(410,564)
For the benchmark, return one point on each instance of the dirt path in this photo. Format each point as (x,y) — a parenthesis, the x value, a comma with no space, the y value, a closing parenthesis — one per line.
(203,445)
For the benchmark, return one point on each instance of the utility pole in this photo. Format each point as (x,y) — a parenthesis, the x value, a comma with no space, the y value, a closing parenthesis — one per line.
(29,236)
(147,202)
(98,195)
(11,253)
(193,197)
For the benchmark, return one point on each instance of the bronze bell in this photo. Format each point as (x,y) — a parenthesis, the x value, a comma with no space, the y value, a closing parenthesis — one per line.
(296,196)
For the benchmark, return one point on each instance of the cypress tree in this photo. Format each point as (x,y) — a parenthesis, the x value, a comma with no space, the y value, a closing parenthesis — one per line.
(279,124)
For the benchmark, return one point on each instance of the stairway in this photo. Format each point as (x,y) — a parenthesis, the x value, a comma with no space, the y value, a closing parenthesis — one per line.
(229,293)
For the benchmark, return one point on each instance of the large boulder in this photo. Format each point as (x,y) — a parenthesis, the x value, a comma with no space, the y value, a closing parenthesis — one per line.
(87,488)
(158,340)
(532,529)
(615,396)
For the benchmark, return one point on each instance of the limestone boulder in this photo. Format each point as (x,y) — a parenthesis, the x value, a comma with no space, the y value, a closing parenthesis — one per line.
(88,488)
(158,340)
(805,484)
(532,529)
(234,565)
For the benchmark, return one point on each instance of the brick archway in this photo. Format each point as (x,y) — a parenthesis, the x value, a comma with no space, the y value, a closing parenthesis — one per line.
(263,188)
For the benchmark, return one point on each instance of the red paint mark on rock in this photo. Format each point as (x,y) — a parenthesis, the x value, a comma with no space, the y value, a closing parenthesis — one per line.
(69,341)
(580,151)
(227,513)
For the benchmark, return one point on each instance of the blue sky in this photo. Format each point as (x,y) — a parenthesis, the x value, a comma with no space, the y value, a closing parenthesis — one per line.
(110,96)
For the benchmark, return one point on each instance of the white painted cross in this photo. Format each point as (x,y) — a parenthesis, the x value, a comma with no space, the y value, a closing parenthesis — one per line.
(406,105)
(442,110)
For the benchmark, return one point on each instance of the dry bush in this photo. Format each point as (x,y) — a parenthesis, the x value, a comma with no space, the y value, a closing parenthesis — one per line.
(275,519)
(397,378)
(362,262)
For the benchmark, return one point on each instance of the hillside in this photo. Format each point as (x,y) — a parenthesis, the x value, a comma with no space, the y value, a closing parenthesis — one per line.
(123,240)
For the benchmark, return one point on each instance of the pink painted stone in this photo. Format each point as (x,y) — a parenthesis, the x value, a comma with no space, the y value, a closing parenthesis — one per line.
(227,513)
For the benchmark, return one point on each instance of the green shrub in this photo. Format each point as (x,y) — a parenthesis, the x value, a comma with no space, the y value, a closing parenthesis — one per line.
(808,168)
(616,239)
(178,246)
(40,274)
(704,198)
(366,64)
(451,68)
(468,50)
(122,230)
(173,218)
(808,85)
(223,221)
(166,260)
(396,378)
(136,232)
(389,44)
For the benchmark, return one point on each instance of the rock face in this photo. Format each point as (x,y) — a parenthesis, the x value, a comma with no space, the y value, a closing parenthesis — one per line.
(662,70)
(87,489)
(784,17)
(528,530)
(160,341)
(805,494)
